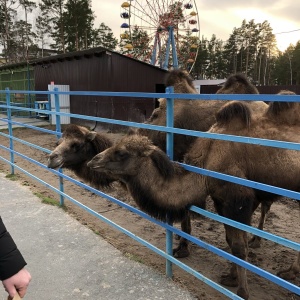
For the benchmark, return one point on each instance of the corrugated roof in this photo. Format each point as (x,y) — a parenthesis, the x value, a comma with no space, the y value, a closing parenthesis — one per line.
(71,55)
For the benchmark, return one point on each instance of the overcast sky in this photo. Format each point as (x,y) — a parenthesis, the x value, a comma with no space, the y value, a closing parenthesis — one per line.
(220,17)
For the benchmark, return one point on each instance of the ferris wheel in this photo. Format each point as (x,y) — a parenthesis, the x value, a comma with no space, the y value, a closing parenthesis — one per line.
(164,33)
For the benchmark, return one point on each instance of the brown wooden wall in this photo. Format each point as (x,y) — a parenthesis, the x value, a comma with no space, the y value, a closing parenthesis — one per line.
(106,71)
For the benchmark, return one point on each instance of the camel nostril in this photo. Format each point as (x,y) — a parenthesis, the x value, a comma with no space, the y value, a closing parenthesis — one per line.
(90,163)
(53,155)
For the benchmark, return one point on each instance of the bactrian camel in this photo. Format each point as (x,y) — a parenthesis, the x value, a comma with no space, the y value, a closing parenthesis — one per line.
(199,115)
(160,186)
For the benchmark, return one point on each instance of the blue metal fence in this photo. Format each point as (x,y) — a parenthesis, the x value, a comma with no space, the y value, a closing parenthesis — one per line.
(170,130)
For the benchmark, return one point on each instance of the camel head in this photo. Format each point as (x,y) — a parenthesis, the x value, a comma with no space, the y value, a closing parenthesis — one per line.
(133,154)
(237,84)
(156,183)
(181,81)
(76,146)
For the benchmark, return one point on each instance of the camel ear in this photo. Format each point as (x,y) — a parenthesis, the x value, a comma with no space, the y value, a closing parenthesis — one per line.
(162,163)
(91,135)
(132,131)
(162,103)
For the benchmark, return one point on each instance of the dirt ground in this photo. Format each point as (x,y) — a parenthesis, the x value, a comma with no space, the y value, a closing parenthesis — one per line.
(283,220)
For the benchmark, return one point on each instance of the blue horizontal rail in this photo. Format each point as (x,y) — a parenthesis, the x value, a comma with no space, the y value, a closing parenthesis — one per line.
(217,136)
(170,130)
(240,97)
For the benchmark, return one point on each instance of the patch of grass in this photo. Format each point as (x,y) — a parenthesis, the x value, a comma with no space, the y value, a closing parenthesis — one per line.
(96,232)
(48,200)
(134,257)
(12,177)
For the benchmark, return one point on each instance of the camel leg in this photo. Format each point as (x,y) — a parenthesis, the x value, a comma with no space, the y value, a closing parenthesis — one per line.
(255,241)
(183,250)
(237,240)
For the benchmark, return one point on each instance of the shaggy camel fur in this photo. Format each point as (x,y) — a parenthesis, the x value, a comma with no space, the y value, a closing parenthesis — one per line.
(161,186)
(77,146)
(193,114)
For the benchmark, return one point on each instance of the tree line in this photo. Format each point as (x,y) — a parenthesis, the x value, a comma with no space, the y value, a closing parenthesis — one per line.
(252,50)
(29,30)
(59,25)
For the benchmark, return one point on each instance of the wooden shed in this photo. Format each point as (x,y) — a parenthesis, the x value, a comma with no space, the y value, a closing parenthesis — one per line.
(99,69)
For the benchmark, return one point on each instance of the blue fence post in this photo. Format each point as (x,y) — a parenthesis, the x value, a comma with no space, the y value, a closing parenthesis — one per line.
(174,52)
(169,148)
(10,132)
(58,129)
(166,62)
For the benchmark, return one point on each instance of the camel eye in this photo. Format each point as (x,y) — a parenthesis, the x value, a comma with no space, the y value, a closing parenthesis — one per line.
(75,147)
(121,154)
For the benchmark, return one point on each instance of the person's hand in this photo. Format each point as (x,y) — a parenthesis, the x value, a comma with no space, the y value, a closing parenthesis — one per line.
(17,283)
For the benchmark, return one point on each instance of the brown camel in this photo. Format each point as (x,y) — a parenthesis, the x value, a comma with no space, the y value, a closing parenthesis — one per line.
(160,186)
(77,146)
(199,115)
(193,114)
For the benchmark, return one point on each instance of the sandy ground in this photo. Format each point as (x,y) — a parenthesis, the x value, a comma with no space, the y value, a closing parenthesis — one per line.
(283,220)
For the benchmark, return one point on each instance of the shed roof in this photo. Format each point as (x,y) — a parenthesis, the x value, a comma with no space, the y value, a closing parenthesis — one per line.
(98,51)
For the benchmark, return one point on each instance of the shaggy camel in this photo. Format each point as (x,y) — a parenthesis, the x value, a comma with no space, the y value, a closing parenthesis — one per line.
(160,186)
(77,146)
(191,114)
(199,115)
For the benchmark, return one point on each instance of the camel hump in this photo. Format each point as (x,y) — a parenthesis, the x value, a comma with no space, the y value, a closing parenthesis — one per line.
(277,108)
(234,113)
(238,84)
(181,80)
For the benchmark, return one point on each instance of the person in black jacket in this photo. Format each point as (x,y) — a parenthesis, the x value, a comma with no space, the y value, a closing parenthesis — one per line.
(15,278)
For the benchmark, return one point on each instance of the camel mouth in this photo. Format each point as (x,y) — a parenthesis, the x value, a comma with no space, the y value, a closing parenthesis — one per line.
(55,164)
(94,166)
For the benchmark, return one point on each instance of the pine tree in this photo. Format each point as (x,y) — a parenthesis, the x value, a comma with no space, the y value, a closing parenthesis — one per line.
(200,66)
(284,67)
(52,11)
(7,16)
(79,19)
(251,49)
(267,50)
(24,45)
(216,67)
(296,64)
(27,6)
(43,29)
(103,36)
